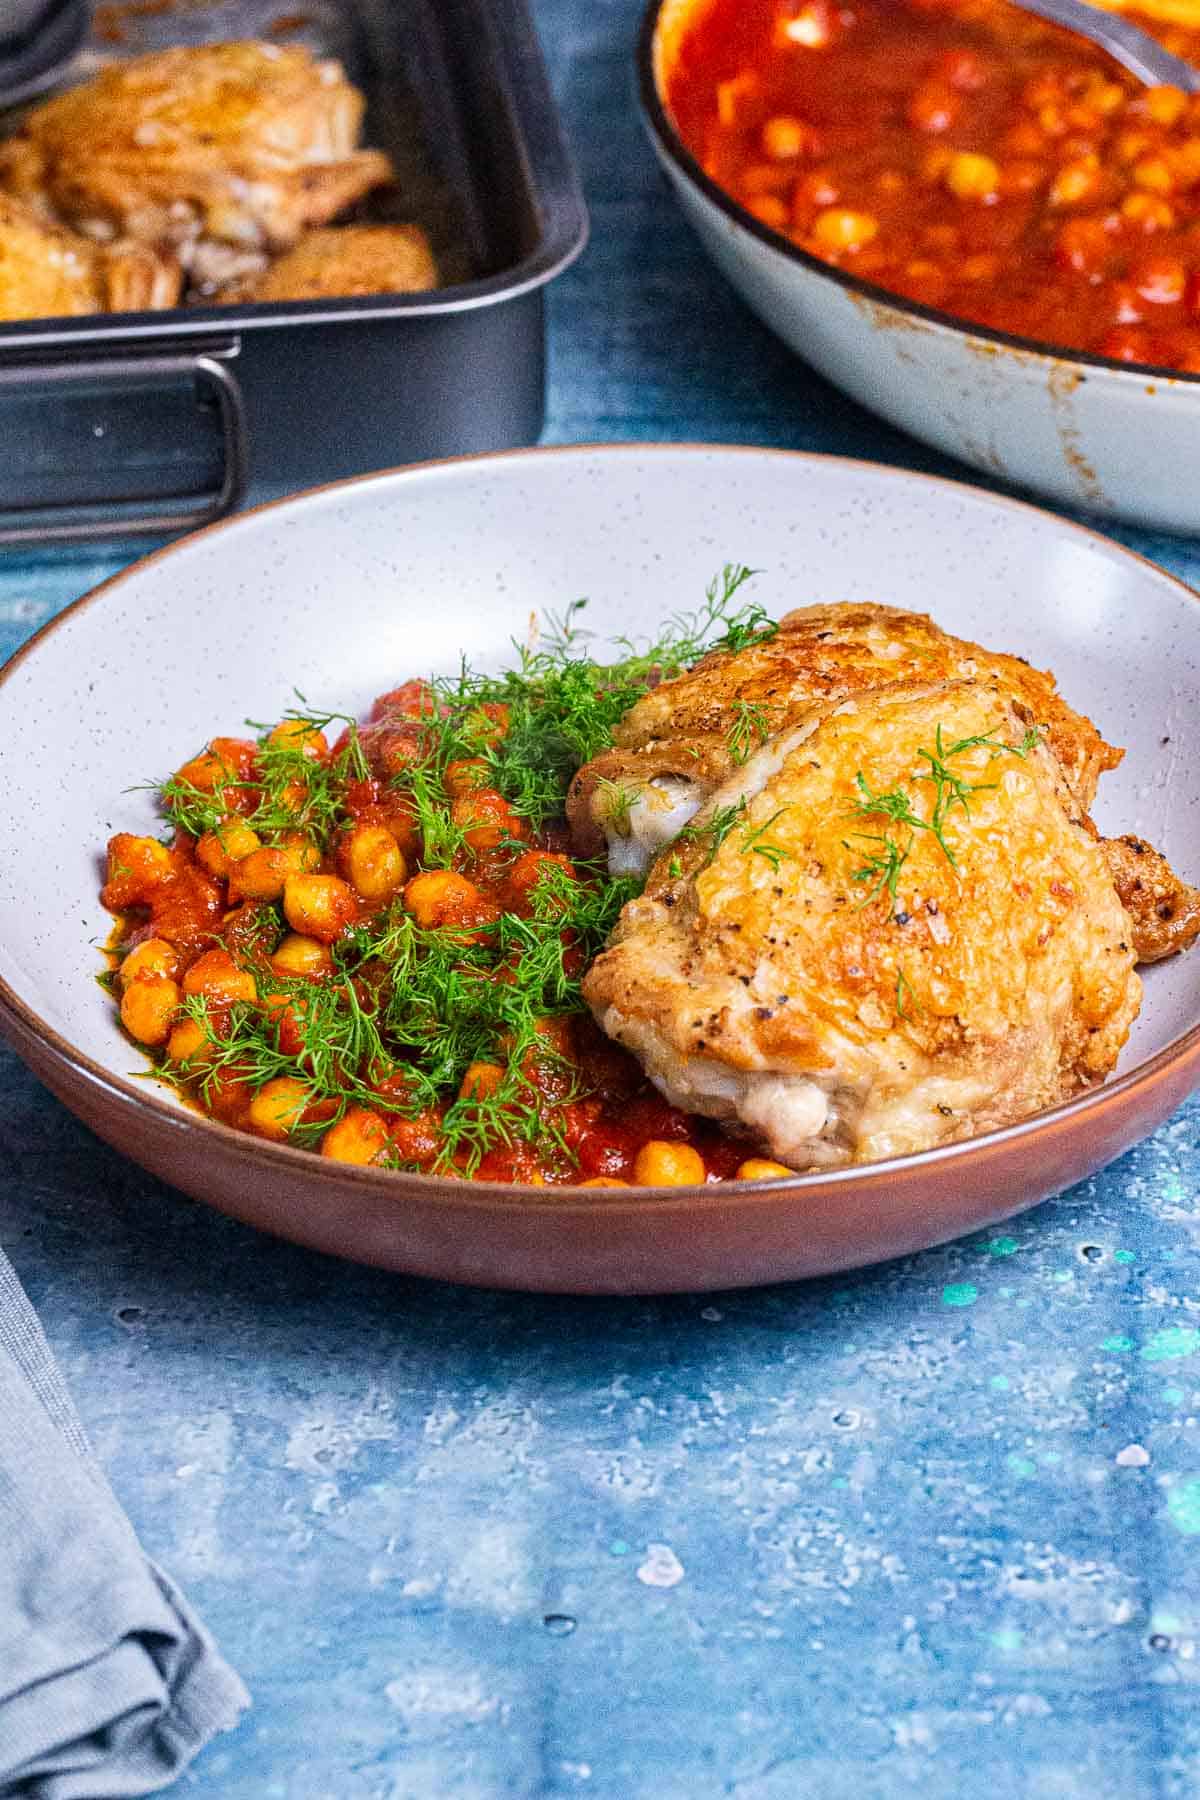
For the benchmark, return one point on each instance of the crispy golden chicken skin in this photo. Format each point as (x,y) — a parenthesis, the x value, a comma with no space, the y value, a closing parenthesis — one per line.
(686,736)
(886,930)
(237,145)
(343,261)
(48,272)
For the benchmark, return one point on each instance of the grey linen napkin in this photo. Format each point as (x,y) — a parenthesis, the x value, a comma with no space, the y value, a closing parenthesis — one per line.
(109,1685)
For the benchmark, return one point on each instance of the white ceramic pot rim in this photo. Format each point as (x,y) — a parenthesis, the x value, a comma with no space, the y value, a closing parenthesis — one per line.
(18,1020)
(670,145)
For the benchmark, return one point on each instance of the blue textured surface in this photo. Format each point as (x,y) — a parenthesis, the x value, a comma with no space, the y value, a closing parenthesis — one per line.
(932,1529)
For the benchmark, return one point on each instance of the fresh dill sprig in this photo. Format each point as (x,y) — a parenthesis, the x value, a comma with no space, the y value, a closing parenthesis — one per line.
(754,841)
(715,829)
(749,730)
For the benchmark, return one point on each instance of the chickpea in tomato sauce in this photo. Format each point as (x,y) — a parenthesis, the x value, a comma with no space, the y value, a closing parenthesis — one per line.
(962,154)
(368,939)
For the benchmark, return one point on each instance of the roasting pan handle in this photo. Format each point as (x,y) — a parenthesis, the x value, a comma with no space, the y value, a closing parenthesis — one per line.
(43,521)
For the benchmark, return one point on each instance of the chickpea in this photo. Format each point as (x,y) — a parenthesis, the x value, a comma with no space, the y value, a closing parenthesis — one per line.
(187,1041)
(1153,174)
(259,876)
(319,906)
(440,897)
(605,1181)
(840,229)
(785,138)
(137,868)
(359,1137)
(662,1164)
(1150,211)
(1131,145)
(303,958)
(290,1019)
(488,723)
(1164,105)
(758,1168)
(480,1080)
(148,1008)
(304,854)
(278,1106)
(465,775)
(225,761)
(983,266)
(154,956)
(411,700)
(219,979)
(218,851)
(972,177)
(263,874)
(297,734)
(1075,182)
(485,819)
(525,877)
(369,858)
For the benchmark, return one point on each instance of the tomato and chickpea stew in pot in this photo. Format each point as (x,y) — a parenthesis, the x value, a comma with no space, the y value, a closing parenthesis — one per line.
(368,940)
(962,154)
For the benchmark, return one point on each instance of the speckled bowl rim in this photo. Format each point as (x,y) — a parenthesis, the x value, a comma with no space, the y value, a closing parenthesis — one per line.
(571,1199)
(662,129)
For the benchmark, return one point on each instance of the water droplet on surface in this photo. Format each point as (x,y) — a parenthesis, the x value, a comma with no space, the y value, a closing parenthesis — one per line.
(559,1624)
(130,1315)
(847,1419)
(1091,1253)
(1159,1642)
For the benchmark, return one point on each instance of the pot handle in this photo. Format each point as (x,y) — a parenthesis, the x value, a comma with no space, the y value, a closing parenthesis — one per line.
(82,521)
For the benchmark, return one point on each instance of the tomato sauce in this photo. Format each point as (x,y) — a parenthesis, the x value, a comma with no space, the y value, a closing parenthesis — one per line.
(275,957)
(962,154)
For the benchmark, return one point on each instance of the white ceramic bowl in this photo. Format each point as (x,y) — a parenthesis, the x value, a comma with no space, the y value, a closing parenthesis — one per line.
(1115,440)
(343,592)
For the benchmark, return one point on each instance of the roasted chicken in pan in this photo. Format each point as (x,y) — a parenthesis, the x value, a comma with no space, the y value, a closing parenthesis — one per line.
(344,261)
(877,916)
(227,152)
(46,270)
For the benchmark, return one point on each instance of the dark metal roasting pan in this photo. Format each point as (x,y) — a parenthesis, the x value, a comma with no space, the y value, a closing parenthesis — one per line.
(146,424)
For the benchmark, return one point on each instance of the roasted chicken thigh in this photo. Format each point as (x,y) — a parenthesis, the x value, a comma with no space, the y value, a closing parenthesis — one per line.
(877,916)
(888,929)
(226,152)
(46,271)
(346,260)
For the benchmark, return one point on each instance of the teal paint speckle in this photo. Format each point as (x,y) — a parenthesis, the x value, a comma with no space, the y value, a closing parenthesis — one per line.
(1117,1343)
(839,1481)
(1002,1246)
(1007,1639)
(1174,1342)
(1050,1458)
(1064,1274)
(1173,1396)
(1021,1465)
(1000,1383)
(960,1293)
(1006,1293)
(618,1547)
(1183,1505)
(1123,1256)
